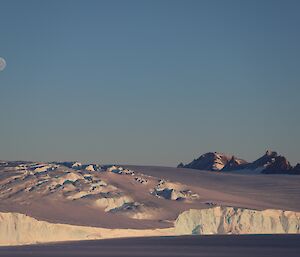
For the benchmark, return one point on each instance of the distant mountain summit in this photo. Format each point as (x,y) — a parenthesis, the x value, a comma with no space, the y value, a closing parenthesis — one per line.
(234,164)
(273,163)
(269,163)
(264,162)
(213,161)
(296,169)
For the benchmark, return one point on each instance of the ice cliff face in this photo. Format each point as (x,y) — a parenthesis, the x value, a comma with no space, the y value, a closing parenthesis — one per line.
(228,220)
(19,229)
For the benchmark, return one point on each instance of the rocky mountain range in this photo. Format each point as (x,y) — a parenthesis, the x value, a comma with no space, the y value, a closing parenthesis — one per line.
(269,163)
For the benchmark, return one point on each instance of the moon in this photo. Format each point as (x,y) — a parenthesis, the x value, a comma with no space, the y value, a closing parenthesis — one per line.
(2,64)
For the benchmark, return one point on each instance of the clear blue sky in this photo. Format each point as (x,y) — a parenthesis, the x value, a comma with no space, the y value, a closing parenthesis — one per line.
(149,82)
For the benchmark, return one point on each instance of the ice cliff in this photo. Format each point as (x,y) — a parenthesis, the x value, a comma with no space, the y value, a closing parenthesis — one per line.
(228,220)
(19,229)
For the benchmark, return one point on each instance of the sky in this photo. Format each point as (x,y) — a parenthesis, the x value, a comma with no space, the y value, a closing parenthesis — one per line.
(149,82)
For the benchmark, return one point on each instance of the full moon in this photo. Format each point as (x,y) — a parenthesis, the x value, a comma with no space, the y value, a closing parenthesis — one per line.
(2,64)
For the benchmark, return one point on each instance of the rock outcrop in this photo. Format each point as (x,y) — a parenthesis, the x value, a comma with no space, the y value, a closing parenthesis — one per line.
(173,191)
(228,220)
(114,202)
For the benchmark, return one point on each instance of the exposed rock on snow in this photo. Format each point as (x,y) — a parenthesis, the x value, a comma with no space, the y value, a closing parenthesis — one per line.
(114,202)
(2,163)
(80,166)
(228,220)
(72,165)
(68,178)
(95,189)
(170,194)
(120,170)
(62,181)
(44,168)
(173,191)
(36,168)
(141,180)
(173,194)
(90,168)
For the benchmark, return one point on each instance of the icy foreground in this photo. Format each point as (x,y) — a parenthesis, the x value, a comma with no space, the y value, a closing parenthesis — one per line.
(19,229)
(228,220)
(50,202)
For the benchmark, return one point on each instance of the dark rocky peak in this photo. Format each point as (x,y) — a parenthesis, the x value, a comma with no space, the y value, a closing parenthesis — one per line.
(296,169)
(213,161)
(271,153)
(279,165)
(269,163)
(268,158)
(180,165)
(234,164)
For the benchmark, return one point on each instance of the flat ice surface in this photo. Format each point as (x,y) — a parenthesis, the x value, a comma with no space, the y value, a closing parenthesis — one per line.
(187,246)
